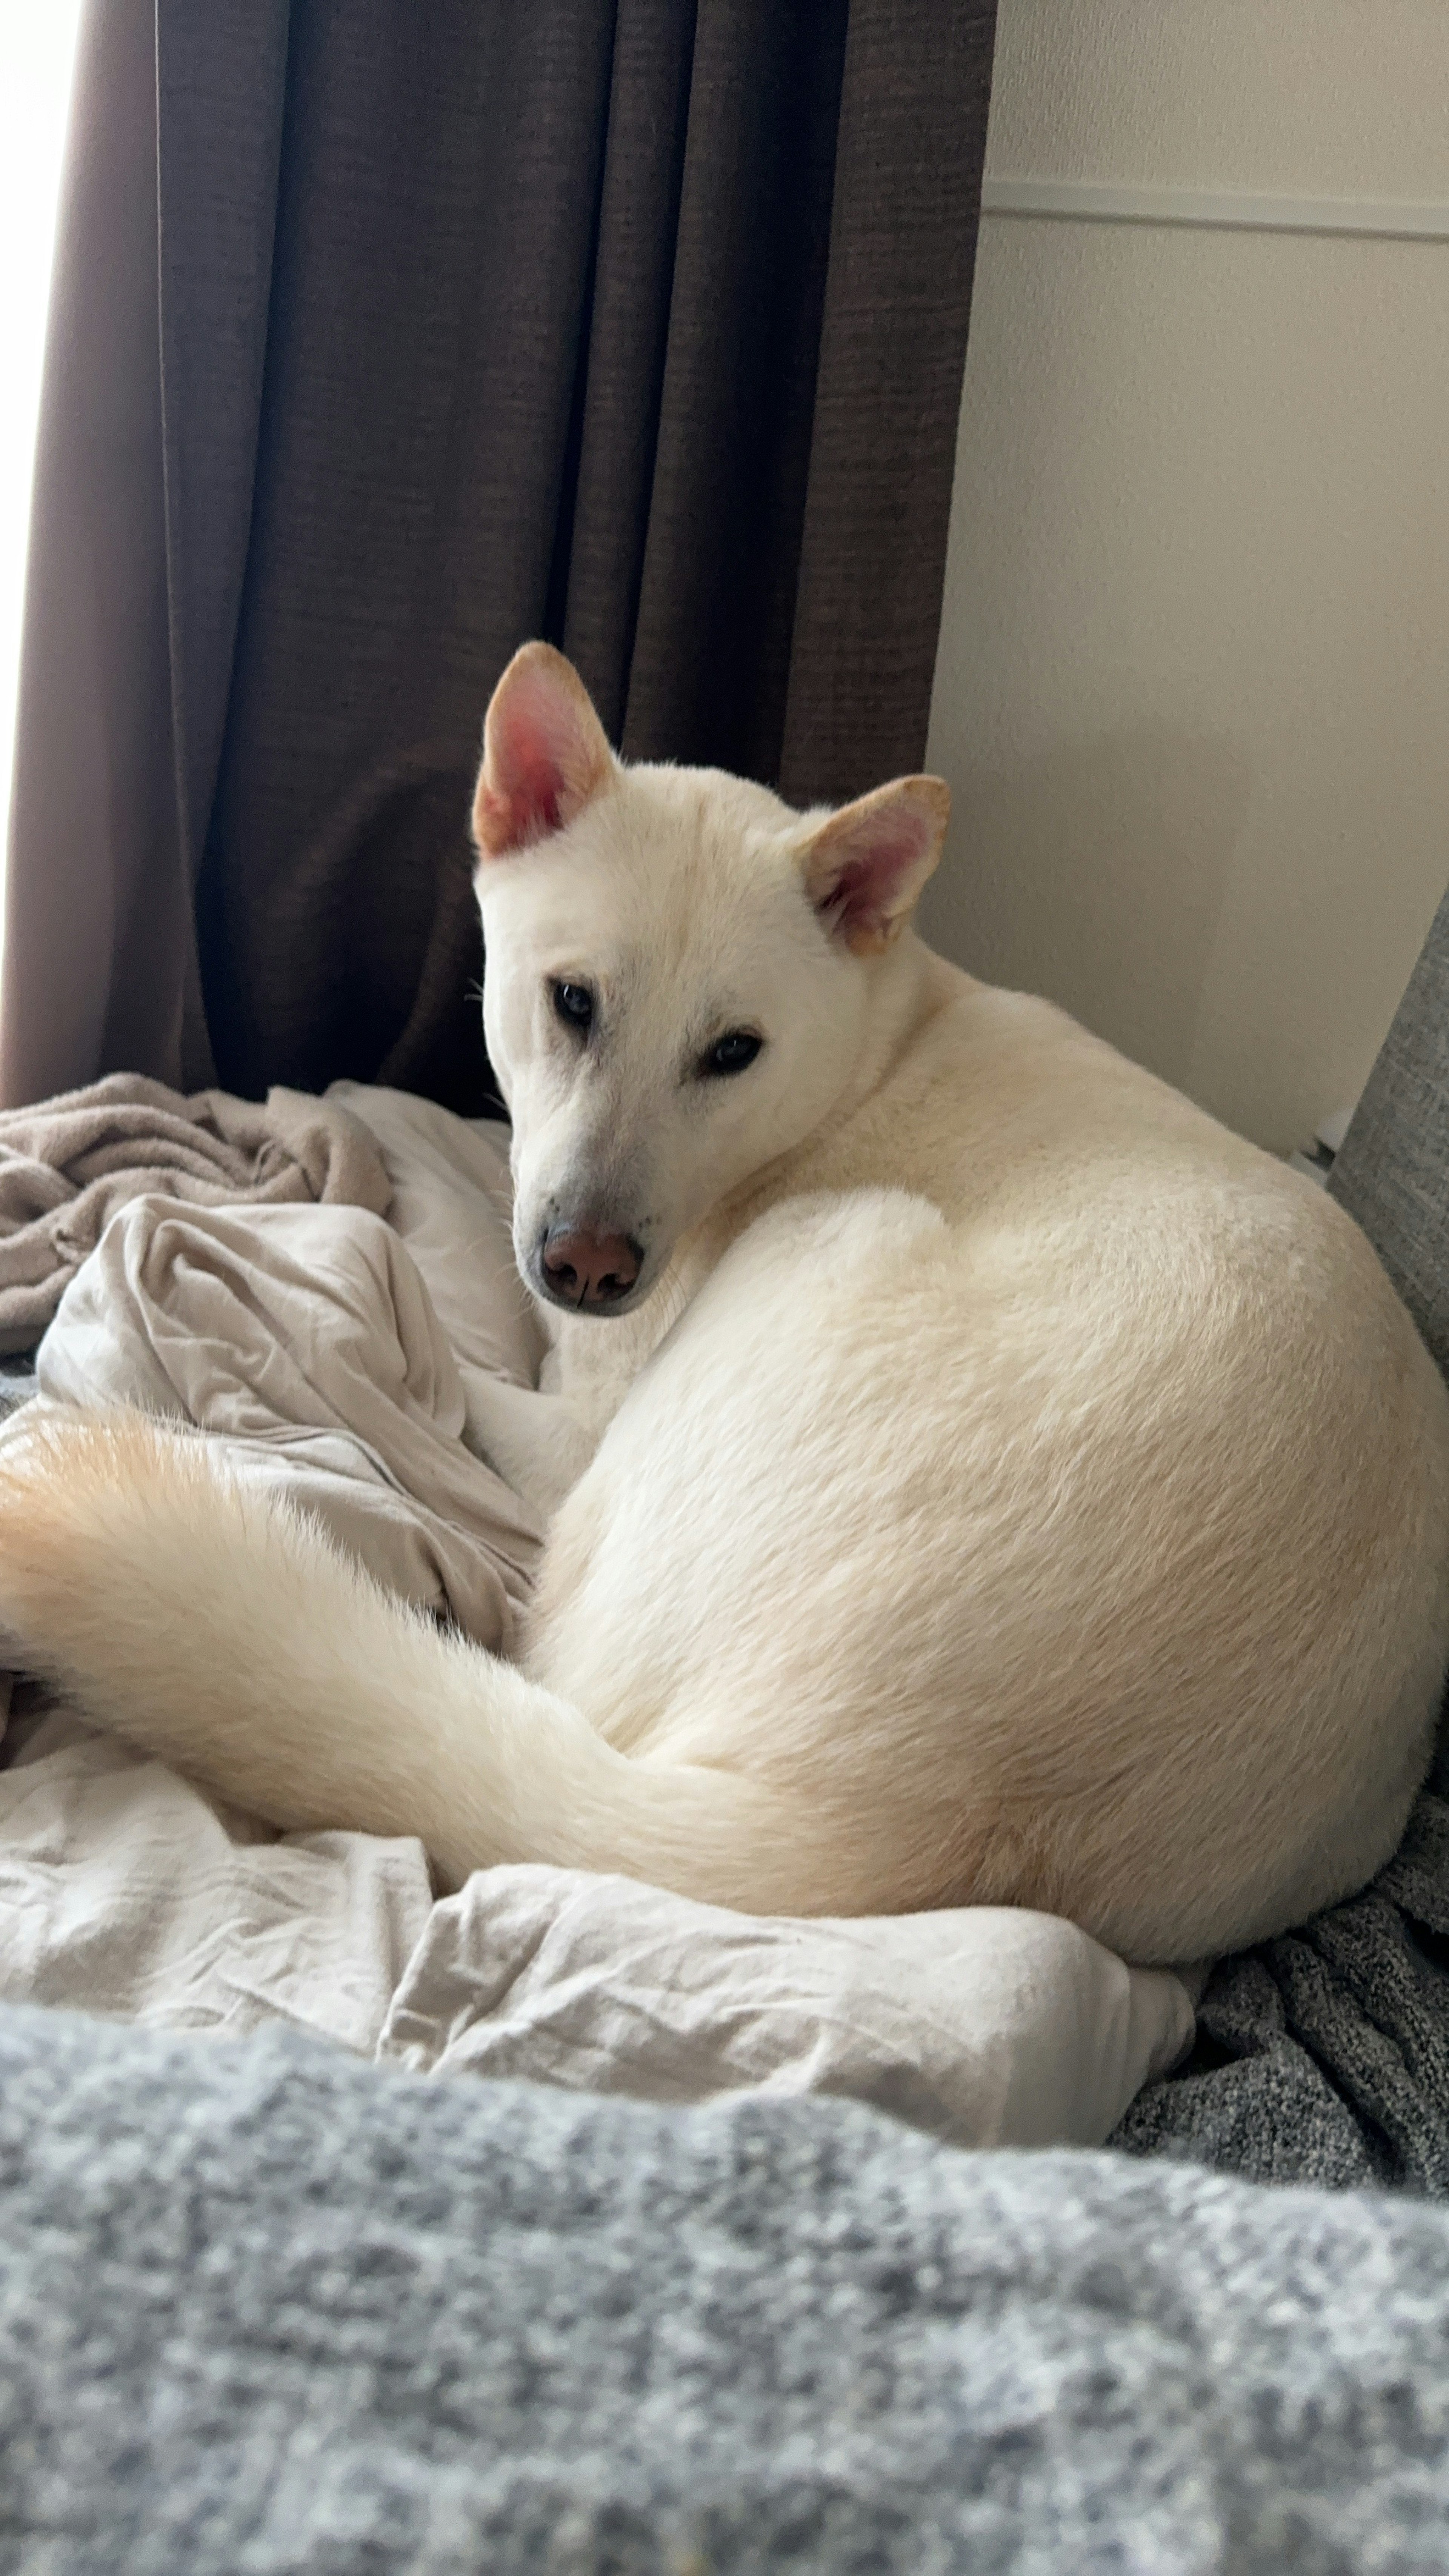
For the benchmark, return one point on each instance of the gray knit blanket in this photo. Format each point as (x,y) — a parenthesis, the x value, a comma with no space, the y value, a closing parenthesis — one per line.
(1323,2057)
(263,2308)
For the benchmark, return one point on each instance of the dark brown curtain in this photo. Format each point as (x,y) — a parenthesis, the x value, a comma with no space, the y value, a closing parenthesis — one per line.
(383,338)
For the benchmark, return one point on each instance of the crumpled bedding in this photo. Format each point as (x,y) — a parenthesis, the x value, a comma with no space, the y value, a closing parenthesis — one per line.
(330,1350)
(340,1355)
(67,1164)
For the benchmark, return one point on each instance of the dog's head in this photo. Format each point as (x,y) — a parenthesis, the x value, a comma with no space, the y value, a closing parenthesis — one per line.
(679,976)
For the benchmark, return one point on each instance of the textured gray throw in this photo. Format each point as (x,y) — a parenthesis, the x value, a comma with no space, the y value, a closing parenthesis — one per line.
(263,2308)
(1324,2057)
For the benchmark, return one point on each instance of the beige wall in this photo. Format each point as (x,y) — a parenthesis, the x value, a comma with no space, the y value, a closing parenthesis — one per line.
(1192,691)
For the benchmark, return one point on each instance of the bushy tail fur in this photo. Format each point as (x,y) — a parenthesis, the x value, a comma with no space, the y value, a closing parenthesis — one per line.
(231,1638)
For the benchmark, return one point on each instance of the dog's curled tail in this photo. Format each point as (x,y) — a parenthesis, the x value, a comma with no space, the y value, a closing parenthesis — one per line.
(228,1636)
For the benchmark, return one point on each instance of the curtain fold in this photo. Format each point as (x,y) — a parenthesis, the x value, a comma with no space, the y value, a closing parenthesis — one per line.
(383,339)
(98,914)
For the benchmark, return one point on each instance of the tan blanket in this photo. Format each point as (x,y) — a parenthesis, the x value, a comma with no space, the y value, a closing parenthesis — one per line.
(330,1356)
(67,1165)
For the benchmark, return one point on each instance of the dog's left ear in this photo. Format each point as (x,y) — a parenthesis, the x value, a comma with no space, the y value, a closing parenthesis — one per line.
(545,753)
(865,867)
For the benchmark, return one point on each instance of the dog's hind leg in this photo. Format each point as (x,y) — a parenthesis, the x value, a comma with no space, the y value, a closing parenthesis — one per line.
(539,1444)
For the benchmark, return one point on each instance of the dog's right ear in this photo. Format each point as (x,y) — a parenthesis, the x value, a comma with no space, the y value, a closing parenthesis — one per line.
(545,753)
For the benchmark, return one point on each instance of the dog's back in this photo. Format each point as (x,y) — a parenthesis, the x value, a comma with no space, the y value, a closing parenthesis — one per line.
(1047,1492)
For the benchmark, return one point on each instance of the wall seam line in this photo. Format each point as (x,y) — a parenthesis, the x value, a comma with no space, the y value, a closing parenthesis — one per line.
(1211,210)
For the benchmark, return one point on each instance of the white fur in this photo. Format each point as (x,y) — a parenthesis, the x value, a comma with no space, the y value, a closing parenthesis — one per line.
(1005,1486)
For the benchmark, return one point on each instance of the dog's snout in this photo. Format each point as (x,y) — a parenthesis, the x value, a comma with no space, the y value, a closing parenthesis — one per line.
(594,1271)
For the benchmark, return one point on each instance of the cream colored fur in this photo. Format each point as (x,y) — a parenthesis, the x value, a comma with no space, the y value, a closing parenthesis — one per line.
(1005,1485)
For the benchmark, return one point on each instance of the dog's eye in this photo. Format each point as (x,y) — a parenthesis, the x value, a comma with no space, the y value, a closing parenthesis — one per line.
(731,1054)
(574,1004)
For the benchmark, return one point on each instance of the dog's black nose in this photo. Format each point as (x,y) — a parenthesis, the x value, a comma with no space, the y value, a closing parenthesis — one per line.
(588,1269)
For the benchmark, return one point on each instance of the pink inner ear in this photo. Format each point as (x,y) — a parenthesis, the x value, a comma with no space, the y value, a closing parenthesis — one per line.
(544,757)
(523,795)
(533,785)
(861,889)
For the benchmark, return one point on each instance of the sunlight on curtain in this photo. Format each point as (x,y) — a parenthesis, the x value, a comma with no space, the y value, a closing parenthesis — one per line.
(37,48)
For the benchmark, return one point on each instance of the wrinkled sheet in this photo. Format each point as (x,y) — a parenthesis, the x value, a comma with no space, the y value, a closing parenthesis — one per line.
(333,1355)
(980,2026)
(324,1348)
(67,1164)
(123,1890)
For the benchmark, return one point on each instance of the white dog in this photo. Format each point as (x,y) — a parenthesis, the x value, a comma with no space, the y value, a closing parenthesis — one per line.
(987,1480)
